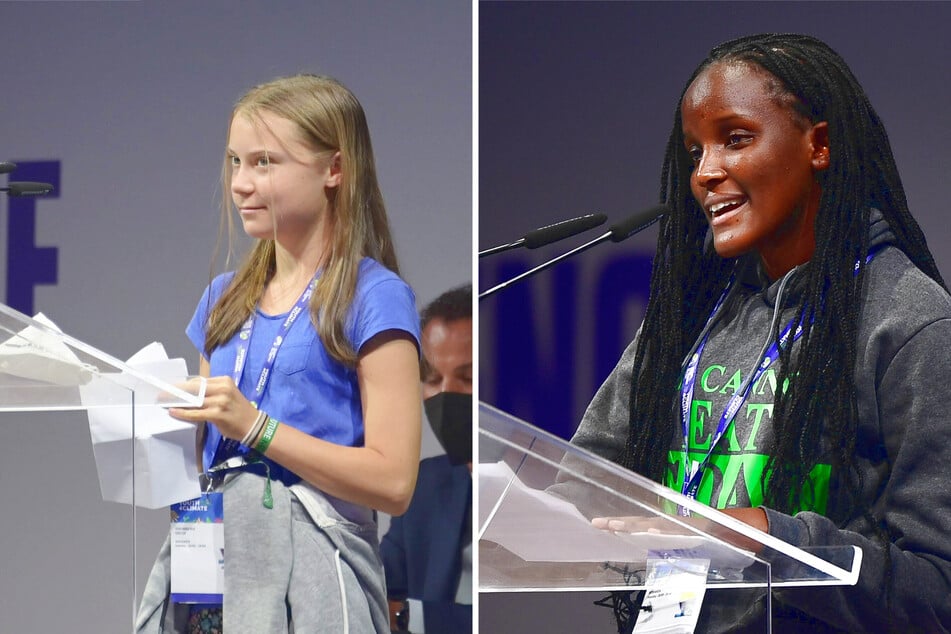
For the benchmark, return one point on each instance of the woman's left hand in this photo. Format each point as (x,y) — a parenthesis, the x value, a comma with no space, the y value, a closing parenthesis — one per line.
(224,407)
(755,517)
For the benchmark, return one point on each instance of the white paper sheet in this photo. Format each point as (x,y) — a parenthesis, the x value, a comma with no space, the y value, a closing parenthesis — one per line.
(39,356)
(164,448)
(538,526)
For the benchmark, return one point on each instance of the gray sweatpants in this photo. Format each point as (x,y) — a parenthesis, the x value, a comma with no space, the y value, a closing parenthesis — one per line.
(299,567)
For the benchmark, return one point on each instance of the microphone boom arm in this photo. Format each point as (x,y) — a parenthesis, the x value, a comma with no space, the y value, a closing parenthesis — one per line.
(502,247)
(545,265)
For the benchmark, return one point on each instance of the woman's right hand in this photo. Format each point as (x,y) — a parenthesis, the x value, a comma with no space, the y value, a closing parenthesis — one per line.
(224,406)
(640,524)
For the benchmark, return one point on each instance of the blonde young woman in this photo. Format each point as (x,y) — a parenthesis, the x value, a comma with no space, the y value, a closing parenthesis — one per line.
(327,430)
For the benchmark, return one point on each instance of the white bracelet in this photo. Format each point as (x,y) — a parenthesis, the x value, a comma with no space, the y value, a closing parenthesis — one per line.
(255,428)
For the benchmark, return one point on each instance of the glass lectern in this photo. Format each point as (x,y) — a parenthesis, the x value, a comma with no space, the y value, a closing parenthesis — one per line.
(555,518)
(45,377)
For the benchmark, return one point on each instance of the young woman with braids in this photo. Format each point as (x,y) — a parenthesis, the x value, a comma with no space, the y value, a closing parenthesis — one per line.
(787,208)
(312,411)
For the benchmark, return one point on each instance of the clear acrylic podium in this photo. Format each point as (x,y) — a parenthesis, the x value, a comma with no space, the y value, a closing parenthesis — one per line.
(45,375)
(538,495)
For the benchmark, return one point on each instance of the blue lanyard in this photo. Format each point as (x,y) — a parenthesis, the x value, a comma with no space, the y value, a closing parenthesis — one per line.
(693,470)
(229,447)
(694,473)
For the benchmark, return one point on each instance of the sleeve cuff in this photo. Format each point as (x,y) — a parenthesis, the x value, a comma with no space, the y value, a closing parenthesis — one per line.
(787,528)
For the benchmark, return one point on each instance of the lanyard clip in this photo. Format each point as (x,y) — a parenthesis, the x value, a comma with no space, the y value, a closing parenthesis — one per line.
(214,477)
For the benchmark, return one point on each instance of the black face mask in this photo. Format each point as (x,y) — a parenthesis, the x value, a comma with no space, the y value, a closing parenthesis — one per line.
(450,416)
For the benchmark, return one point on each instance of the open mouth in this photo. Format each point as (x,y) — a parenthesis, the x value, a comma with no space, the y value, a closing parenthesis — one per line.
(720,212)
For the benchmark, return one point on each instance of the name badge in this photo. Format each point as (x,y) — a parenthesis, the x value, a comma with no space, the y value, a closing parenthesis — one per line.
(198,550)
(675,589)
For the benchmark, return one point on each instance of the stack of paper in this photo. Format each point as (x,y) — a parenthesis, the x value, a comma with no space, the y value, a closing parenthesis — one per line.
(40,356)
(162,454)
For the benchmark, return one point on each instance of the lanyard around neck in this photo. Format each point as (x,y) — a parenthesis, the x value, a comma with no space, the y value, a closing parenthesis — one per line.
(694,470)
(229,447)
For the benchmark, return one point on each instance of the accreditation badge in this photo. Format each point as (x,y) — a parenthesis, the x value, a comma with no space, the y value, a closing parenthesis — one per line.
(198,550)
(674,593)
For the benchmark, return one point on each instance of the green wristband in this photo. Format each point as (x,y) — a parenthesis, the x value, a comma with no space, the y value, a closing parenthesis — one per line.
(267,435)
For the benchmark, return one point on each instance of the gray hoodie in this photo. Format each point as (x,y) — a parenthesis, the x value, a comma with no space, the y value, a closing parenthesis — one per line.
(903,381)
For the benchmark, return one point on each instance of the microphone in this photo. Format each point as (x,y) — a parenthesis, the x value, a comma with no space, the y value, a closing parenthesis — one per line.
(615,233)
(27,188)
(6,167)
(551,233)
(636,222)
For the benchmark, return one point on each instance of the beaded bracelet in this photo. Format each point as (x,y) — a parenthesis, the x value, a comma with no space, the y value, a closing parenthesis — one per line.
(255,429)
(266,436)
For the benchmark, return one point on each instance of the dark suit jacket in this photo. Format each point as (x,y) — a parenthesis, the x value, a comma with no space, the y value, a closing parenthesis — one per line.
(422,551)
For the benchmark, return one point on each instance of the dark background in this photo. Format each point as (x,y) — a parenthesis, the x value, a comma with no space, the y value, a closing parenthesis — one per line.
(576,102)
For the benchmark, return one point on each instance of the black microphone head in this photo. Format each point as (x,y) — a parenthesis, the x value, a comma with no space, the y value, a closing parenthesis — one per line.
(564,229)
(27,188)
(641,220)
(6,167)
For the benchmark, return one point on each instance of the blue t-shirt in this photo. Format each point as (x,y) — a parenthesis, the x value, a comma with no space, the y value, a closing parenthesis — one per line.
(308,389)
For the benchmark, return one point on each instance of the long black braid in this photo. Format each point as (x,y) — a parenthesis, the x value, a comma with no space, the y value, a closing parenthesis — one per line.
(688,277)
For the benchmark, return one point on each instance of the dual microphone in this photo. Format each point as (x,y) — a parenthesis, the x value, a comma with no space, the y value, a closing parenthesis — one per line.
(558,231)
(22,188)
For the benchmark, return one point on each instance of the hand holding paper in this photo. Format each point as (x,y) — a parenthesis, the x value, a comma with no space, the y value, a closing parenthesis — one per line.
(224,406)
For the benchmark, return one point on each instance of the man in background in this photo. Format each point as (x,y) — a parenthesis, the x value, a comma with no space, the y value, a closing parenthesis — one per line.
(427,552)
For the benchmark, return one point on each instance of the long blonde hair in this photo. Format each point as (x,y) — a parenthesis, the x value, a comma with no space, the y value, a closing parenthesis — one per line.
(330,118)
